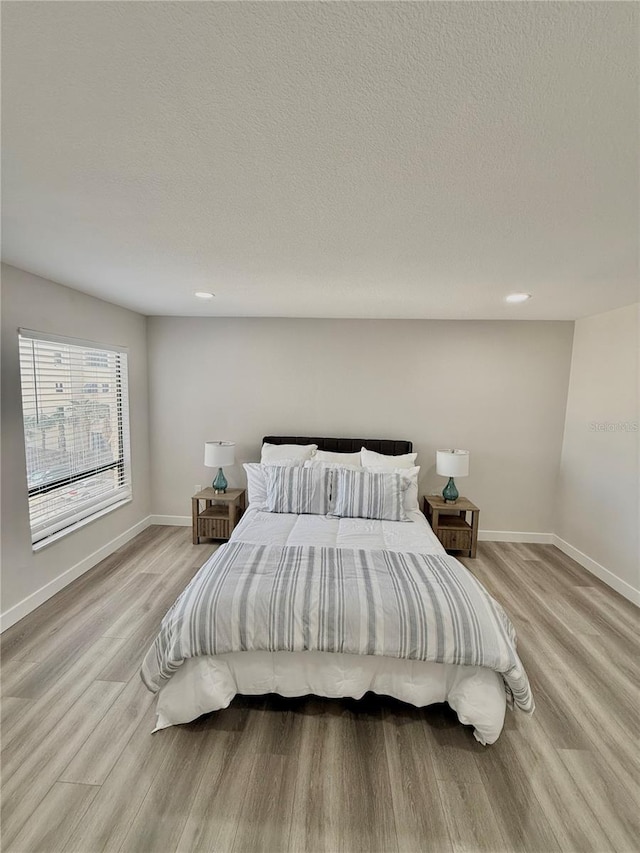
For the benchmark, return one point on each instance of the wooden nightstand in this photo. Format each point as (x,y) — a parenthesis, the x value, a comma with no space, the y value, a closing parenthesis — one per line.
(220,514)
(449,523)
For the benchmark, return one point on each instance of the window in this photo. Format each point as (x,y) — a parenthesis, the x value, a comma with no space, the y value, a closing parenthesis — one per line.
(77,448)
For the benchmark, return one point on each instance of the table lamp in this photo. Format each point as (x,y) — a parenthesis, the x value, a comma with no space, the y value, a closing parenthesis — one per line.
(217,454)
(452,463)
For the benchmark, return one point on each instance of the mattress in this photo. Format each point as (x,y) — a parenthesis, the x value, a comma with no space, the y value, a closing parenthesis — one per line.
(206,684)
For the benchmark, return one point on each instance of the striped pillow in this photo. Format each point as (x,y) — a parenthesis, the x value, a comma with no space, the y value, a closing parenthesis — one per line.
(298,490)
(364,494)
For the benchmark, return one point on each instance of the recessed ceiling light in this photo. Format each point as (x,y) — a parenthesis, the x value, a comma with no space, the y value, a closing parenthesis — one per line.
(203,294)
(518,297)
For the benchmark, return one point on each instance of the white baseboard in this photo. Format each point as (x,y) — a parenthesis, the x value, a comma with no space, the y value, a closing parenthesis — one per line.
(171,520)
(608,577)
(22,608)
(514,536)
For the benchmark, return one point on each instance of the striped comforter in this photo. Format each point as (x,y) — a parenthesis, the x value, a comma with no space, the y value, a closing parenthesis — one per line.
(300,598)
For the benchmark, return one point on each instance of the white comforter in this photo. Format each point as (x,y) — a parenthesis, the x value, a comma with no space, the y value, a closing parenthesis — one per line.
(209,683)
(259,528)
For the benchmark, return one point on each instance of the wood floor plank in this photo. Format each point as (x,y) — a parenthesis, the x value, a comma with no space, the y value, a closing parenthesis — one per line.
(627,660)
(614,806)
(417,805)
(118,801)
(622,678)
(317,807)
(563,730)
(214,812)
(125,665)
(451,746)
(470,819)
(568,815)
(160,820)
(12,707)
(515,806)
(565,570)
(612,612)
(13,673)
(521,550)
(43,715)
(572,618)
(274,724)
(53,821)
(178,546)
(94,760)
(264,822)
(162,592)
(162,559)
(367,818)
(23,792)
(502,580)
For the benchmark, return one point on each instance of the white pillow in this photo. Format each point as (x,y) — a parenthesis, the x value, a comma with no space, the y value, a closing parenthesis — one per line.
(256,482)
(271,452)
(342,458)
(371,459)
(256,485)
(318,463)
(410,475)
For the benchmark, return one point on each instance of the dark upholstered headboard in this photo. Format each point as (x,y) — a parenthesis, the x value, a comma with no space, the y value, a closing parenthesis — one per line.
(345,445)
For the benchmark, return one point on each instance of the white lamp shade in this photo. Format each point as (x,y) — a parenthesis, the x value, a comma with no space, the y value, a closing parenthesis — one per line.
(452,463)
(217,454)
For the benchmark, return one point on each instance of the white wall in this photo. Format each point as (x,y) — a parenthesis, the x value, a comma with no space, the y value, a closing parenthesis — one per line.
(598,503)
(496,388)
(29,578)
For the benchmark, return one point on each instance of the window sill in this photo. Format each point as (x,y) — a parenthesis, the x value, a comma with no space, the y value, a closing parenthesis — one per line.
(56,537)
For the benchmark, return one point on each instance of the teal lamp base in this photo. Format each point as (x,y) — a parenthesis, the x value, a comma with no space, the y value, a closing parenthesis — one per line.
(450,493)
(220,483)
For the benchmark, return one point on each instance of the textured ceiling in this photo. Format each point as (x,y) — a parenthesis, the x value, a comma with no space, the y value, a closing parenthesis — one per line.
(325,159)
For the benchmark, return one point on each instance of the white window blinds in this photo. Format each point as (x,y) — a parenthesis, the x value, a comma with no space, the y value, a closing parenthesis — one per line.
(76,429)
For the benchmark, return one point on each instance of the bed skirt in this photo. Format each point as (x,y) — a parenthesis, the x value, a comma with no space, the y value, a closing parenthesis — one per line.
(206,684)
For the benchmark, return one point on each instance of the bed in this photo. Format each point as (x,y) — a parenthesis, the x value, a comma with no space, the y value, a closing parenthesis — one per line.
(283,590)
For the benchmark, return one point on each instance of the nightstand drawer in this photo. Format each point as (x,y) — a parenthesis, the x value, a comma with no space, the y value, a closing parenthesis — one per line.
(213,527)
(455,540)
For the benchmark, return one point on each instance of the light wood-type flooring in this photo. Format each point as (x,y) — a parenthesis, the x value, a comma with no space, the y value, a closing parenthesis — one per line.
(81,771)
